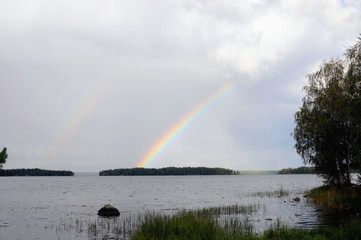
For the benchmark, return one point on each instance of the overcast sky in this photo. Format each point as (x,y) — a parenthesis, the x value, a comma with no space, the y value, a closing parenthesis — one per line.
(92,85)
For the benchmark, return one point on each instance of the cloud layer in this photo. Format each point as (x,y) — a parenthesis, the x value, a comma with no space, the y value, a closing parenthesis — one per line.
(91,85)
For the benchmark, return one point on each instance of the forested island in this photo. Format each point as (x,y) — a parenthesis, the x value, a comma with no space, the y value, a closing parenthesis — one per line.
(34,172)
(300,170)
(167,171)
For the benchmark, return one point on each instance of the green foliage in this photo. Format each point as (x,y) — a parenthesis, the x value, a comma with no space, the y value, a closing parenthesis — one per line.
(3,157)
(328,125)
(300,170)
(34,172)
(166,171)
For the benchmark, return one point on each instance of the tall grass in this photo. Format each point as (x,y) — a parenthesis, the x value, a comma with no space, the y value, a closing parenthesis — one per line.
(111,228)
(351,231)
(220,221)
(229,210)
(190,226)
(206,223)
(276,193)
(336,198)
(203,224)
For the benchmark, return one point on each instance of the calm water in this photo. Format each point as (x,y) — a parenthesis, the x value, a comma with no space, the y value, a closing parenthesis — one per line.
(63,207)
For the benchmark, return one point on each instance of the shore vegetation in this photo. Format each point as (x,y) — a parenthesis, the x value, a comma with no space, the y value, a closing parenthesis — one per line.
(188,225)
(299,170)
(167,171)
(225,222)
(336,198)
(34,172)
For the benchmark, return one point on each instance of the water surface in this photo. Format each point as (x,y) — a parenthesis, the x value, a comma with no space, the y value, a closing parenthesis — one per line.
(63,207)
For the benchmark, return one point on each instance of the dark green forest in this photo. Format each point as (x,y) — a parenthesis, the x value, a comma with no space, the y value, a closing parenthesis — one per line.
(300,170)
(167,171)
(34,172)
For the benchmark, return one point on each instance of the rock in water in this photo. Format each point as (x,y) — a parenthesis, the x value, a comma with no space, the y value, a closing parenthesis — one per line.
(108,211)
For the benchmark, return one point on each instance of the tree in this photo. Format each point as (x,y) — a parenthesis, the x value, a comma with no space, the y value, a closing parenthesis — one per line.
(3,156)
(328,125)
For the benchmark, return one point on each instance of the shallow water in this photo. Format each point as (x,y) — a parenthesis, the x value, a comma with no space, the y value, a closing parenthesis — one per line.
(64,207)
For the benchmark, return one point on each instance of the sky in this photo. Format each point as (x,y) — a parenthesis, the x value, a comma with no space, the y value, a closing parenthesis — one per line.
(93,85)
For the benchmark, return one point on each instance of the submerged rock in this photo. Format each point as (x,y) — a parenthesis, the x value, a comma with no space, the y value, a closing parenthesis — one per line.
(108,211)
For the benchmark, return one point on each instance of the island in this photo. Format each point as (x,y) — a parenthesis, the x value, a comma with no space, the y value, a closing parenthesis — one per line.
(34,172)
(167,171)
(300,170)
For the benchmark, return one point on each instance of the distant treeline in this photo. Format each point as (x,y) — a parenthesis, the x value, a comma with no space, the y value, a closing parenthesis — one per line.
(166,171)
(257,172)
(34,172)
(300,170)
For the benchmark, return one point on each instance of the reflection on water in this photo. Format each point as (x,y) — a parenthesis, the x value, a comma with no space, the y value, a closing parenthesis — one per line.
(66,207)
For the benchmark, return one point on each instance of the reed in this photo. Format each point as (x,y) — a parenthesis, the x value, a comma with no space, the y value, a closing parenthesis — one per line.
(277,193)
(221,223)
(191,225)
(113,228)
(351,231)
(335,198)
(188,225)
(229,210)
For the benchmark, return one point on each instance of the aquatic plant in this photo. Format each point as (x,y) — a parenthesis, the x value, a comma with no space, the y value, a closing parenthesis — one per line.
(351,231)
(229,210)
(276,193)
(193,224)
(336,198)
(190,225)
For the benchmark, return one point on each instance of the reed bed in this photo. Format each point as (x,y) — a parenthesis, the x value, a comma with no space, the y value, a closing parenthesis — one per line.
(111,228)
(205,224)
(224,219)
(187,225)
(190,225)
(335,198)
(229,210)
(270,194)
(351,231)
(220,221)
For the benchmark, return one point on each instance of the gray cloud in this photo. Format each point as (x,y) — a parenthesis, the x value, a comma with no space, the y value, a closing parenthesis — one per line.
(88,86)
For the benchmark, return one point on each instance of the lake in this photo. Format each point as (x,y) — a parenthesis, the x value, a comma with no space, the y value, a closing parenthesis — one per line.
(66,207)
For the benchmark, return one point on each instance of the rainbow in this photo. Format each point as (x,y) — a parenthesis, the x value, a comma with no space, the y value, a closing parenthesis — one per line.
(182,124)
(85,108)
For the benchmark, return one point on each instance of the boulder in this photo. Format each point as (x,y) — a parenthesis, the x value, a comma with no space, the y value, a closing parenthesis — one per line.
(108,211)
(296,199)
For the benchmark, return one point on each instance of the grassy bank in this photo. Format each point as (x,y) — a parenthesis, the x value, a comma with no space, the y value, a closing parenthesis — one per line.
(335,198)
(186,225)
(351,231)
(189,225)
(202,225)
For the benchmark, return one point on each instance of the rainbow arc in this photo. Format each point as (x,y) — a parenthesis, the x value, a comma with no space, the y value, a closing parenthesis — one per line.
(166,139)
